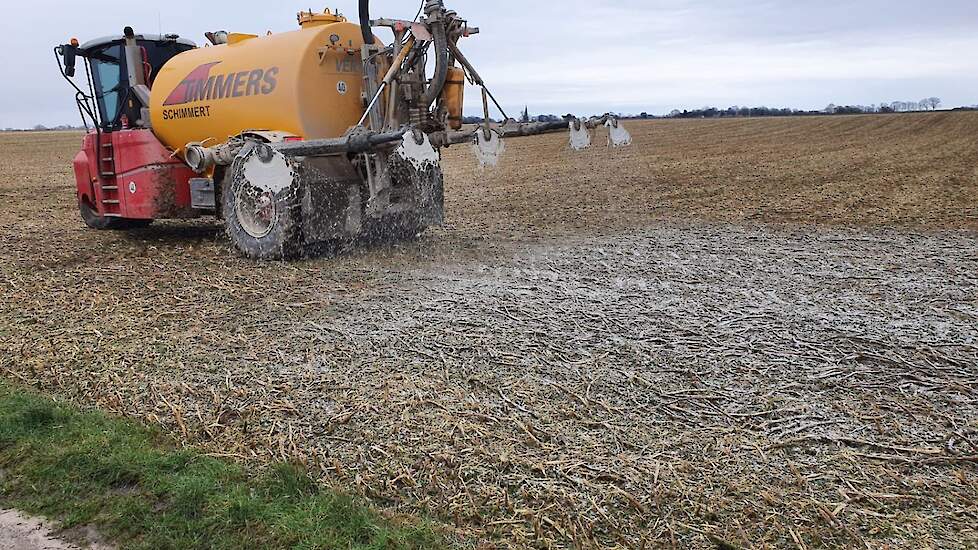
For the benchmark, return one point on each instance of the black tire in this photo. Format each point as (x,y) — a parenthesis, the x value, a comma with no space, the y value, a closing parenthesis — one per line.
(394,228)
(93,220)
(407,227)
(283,240)
(427,193)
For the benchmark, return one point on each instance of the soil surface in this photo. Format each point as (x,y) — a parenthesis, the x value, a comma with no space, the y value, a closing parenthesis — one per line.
(755,332)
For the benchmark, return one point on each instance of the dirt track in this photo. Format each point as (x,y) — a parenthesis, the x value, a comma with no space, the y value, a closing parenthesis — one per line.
(568,359)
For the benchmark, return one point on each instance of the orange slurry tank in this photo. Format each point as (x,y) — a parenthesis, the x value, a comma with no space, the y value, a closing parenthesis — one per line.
(305,82)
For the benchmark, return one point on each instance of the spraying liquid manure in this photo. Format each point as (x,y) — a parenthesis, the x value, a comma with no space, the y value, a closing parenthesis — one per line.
(321,134)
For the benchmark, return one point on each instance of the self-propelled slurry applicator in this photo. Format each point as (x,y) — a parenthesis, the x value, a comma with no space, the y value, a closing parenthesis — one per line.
(319,134)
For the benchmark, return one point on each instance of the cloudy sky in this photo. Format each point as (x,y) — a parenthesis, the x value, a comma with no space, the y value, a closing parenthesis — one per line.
(581,56)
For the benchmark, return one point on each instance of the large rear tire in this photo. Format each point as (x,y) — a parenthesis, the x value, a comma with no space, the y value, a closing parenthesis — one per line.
(263,214)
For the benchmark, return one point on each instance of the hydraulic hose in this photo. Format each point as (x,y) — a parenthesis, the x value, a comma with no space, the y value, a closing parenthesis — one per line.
(368,33)
(434,9)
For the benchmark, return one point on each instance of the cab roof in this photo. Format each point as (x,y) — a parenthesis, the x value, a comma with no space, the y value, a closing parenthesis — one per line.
(106,40)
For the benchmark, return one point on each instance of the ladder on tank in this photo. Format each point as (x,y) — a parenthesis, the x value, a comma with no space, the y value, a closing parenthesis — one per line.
(108,183)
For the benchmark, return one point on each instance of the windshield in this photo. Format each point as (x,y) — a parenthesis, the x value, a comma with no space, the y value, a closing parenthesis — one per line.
(107,72)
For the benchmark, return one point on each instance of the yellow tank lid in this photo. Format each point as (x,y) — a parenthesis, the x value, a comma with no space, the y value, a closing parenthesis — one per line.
(310,19)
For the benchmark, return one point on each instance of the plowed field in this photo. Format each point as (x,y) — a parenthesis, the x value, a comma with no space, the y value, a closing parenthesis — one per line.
(745,332)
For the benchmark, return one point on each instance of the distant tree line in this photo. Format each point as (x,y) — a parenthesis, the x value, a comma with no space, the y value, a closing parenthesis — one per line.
(524,117)
(732,112)
(927,104)
(43,128)
(475,120)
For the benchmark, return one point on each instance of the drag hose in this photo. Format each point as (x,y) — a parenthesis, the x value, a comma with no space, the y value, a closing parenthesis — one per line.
(440,36)
(368,33)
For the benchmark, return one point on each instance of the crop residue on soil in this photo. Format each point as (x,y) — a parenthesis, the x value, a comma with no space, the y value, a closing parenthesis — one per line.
(566,362)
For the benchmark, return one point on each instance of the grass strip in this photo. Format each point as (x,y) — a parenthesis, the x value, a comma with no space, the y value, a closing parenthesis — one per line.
(139,491)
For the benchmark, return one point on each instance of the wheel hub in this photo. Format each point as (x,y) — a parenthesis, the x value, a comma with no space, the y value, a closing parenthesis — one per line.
(256,210)
(265,175)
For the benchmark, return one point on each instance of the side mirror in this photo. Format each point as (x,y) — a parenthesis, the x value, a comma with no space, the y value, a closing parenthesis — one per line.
(69,52)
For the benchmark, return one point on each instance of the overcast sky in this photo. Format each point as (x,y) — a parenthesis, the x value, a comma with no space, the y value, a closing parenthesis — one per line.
(580,56)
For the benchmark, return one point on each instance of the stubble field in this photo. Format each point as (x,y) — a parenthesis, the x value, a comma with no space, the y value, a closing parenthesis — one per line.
(745,332)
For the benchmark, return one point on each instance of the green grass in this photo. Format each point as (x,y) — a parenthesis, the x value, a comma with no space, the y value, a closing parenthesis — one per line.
(88,468)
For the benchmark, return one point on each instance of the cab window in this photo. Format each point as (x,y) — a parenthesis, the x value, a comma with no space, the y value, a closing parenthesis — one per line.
(107,72)
(158,53)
